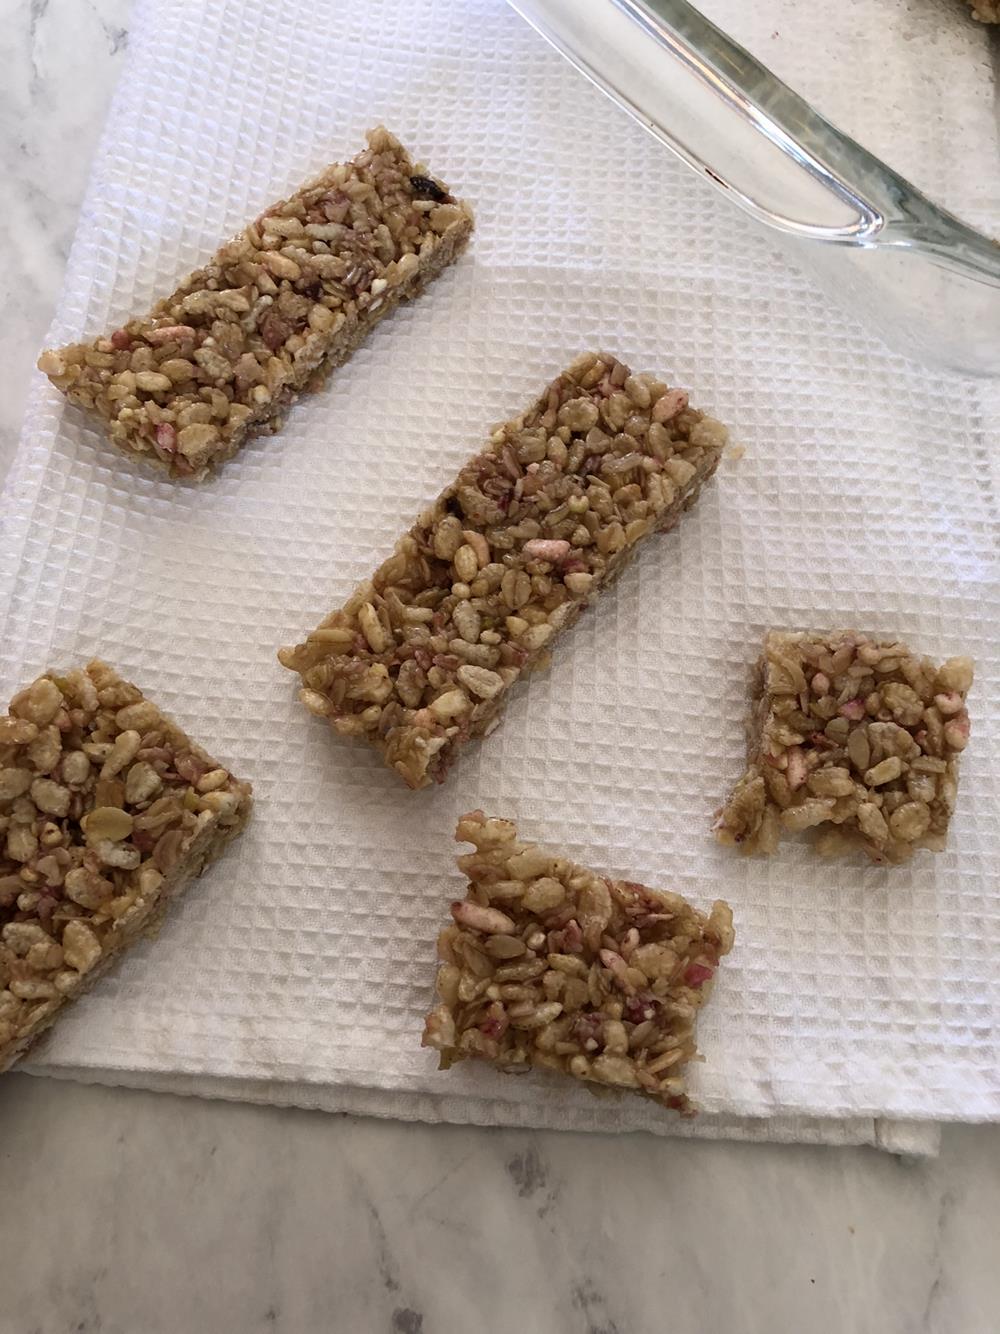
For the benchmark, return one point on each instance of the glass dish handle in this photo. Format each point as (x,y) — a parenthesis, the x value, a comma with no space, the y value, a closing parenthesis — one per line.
(690,86)
(909,269)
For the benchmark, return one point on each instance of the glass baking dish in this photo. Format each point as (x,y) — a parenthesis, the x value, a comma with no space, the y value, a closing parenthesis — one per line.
(926,281)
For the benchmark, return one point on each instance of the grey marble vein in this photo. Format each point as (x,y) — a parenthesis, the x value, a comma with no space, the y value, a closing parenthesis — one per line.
(59,60)
(132,1212)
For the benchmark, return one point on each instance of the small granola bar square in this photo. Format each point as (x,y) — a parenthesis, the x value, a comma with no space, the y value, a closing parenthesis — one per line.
(550,965)
(424,654)
(856,733)
(226,354)
(107,810)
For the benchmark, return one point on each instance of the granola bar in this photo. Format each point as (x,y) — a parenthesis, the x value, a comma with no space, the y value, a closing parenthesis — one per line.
(986,11)
(107,810)
(551,965)
(855,733)
(286,301)
(422,657)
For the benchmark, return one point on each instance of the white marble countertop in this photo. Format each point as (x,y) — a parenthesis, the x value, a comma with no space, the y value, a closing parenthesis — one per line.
(133,1213)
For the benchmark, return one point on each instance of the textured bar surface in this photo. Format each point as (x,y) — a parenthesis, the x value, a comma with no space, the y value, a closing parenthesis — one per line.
(423,655)
(550,965)
(855,733)
(107,810)
(283,303)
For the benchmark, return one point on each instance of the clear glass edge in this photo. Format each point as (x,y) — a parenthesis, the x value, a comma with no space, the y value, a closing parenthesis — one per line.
(892,212)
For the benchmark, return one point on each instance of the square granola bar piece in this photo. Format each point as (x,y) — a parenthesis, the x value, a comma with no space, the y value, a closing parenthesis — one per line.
(423,656)
(856,733)
(289,299)
(107,811)
(550,965)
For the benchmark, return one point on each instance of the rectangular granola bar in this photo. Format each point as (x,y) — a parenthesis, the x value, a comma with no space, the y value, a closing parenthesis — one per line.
(549,964)
(107,810)
(422,656)
(857,733)
(286,301)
